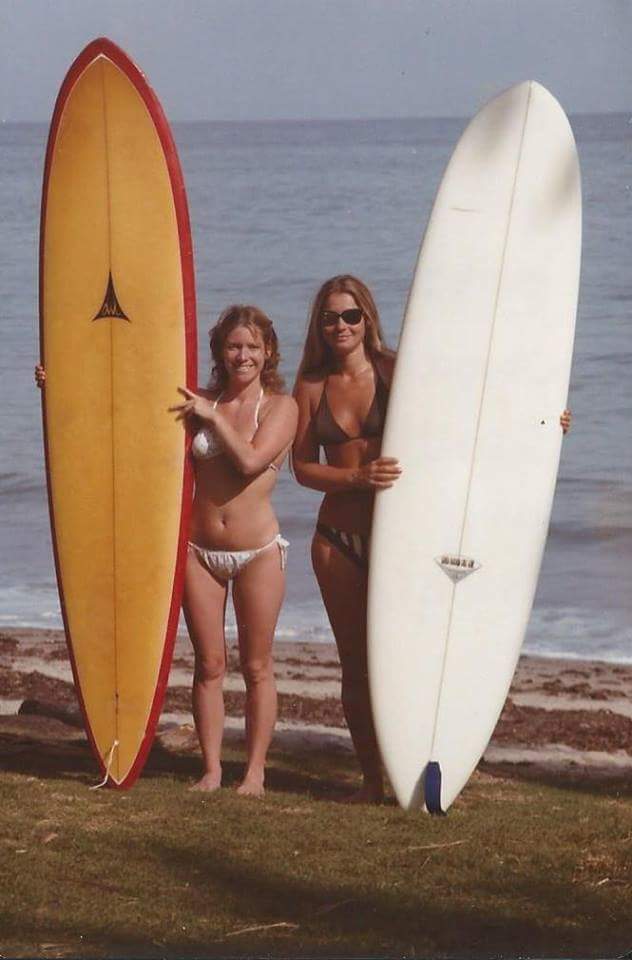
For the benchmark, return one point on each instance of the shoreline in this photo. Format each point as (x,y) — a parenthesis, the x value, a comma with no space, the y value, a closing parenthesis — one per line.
(565,720)
(291,637)
(23,629)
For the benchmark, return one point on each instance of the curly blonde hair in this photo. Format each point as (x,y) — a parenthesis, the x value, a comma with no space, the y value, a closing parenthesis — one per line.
(245,315)
(316,353)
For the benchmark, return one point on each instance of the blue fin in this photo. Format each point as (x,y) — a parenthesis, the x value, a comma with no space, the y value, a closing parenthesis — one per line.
(432,788)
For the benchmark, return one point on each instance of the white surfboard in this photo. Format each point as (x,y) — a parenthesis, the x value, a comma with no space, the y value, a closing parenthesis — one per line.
(480,382)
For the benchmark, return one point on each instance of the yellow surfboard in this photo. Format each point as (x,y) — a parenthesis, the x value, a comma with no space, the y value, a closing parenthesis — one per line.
(117,328)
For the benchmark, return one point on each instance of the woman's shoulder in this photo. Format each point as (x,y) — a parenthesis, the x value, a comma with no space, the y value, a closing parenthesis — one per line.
(279,401)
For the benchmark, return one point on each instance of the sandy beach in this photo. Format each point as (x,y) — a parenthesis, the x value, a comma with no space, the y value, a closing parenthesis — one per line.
(564,720)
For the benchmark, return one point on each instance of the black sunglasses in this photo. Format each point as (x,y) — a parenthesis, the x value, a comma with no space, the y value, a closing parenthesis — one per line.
(351,317)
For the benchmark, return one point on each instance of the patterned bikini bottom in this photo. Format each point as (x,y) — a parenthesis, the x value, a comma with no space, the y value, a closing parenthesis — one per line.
(354,546)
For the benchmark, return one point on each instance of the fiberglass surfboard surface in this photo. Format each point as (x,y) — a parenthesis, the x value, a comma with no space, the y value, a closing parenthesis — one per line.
(117,328)
(481,379)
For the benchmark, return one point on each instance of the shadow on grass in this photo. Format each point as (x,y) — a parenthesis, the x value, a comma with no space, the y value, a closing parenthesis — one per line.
(341,918)
(282,775)
(318,774)
(403,918)
(60,759)
(52,759)
(25,753)
(600,783)
(25,937)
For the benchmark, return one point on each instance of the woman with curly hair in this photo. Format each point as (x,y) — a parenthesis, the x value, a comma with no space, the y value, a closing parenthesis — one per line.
(242,427)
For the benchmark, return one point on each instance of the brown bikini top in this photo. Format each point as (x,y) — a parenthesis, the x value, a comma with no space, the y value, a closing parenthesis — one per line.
(329,432)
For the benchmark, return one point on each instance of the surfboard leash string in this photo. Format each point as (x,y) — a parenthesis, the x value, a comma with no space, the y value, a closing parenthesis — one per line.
(108,764)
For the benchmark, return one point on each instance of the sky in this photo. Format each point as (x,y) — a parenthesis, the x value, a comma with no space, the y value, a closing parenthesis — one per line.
(316,59)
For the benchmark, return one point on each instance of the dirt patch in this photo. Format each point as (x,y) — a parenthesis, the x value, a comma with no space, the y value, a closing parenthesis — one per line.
(8,645)
(311,672)
(581,689)
(322,710)
(532,726)
(35,685)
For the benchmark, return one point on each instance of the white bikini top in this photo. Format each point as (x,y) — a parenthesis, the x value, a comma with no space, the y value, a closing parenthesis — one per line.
(206,444)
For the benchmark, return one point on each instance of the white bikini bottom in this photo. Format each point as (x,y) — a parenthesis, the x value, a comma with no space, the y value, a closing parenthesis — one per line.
(226,564)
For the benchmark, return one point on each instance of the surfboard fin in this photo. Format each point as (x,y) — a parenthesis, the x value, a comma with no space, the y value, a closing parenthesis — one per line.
(432,788)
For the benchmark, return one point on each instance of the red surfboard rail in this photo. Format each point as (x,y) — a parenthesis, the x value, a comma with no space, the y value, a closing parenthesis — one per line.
(103,47)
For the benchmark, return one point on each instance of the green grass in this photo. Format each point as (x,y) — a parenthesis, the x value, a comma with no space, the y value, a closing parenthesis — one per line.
(516,869)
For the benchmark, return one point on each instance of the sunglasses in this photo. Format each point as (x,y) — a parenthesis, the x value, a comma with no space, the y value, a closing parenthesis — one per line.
(352,317)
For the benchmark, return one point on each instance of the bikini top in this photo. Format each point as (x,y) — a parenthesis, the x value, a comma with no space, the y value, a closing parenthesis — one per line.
(330,433)
(206,444)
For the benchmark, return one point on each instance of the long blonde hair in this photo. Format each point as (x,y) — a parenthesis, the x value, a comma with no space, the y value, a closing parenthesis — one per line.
(316,353)
(245,315)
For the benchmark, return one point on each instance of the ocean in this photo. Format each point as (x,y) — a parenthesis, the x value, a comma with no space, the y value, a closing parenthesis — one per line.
(278,207)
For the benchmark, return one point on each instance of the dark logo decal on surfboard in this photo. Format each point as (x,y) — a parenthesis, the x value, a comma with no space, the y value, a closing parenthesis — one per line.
(110,306)
(457,567)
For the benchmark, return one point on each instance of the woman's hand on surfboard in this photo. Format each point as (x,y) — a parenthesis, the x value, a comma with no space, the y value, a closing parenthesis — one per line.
(378,474)
(40,376)
(565,420)
(194,406)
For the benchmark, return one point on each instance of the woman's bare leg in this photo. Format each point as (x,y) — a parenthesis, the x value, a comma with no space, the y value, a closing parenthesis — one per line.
(204,606)
(340,579)
(257,596)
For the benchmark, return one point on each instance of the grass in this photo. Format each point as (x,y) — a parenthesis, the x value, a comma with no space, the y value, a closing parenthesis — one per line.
(516,869)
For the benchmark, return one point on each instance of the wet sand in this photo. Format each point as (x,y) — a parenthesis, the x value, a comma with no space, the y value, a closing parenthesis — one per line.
(563,719)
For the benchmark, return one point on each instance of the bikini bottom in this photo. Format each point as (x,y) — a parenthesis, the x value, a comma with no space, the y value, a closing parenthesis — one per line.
(226,564)
(354,546)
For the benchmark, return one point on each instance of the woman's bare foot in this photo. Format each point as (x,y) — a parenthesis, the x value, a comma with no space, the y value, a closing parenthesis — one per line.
(209,782)
(251,785)
(368,793)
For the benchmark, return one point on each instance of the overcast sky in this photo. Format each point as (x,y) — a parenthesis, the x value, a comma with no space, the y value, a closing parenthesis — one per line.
(269,59)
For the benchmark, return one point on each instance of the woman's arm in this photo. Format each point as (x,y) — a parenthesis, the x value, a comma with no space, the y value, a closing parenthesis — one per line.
(273,437)
(250,457)
(309,472)
(305,452)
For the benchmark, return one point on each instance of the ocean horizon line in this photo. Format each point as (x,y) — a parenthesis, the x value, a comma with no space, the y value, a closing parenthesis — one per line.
(252,121)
